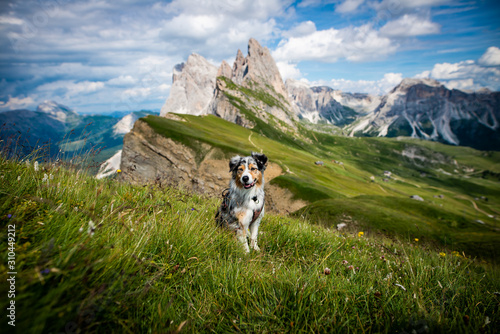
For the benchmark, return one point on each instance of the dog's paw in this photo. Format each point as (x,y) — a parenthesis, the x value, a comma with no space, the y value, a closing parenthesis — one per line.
(253,244)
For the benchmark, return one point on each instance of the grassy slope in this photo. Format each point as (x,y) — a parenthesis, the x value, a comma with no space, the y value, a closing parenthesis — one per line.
(156,263)
(338,190)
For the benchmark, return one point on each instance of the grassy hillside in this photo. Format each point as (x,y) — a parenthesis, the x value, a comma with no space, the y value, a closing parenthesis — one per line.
(102,256)
(459,185)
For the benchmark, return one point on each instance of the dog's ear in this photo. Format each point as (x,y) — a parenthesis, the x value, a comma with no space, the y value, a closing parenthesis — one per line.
(234,162)
(261,160)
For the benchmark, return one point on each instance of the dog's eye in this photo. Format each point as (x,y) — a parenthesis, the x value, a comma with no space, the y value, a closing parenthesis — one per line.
(253,169)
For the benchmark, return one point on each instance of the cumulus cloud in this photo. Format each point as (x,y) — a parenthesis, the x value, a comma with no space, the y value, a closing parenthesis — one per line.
(351,43)
(491,57)
(374,87)
(70,88)
(216,28)
(410,25)
(301,29)
(348,6)
(469,74)
(17,103)
(288,70)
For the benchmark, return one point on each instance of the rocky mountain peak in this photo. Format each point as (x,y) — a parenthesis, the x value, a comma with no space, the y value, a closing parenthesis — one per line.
(224,70)
(193,84)
(261,67)
(410,82)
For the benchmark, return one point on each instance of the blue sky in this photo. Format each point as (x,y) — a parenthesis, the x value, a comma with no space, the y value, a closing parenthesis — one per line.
(100,55)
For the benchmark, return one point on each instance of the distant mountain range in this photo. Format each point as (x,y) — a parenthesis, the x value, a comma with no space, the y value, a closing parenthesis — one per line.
(63,132)
(424,108)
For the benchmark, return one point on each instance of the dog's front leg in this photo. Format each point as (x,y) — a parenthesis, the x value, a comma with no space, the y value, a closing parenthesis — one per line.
(241,233)
(254,233)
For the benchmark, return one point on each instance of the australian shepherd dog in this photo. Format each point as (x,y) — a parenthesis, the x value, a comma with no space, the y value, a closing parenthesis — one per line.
(242,208)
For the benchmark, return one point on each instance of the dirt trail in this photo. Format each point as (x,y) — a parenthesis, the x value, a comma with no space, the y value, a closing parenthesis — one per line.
(474,205)
(251,142)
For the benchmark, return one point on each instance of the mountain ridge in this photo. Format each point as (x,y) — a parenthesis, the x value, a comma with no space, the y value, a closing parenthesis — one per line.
(426,109)
(252,91)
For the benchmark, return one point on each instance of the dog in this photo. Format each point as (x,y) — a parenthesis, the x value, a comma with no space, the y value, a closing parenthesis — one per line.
(242,206)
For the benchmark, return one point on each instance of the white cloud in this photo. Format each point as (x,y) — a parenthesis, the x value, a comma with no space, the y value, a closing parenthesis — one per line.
(398,6)
(288,70)
(122,81)
(70,88)
(410,25)
(351,43)
(302,29)
(374,87)
(214,35)
(491,57)
(17,103)
(349,6)
(468,74)
(244,9)
(10,20)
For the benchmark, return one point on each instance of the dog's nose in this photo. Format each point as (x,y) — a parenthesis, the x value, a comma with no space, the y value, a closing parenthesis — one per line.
(245,178)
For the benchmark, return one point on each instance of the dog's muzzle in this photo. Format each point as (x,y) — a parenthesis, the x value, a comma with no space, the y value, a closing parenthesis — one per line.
(245,180)
(248,186)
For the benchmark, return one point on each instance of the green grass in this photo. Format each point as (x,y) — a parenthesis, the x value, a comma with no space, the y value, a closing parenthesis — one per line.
(395,216)
(334,189)
(156,263)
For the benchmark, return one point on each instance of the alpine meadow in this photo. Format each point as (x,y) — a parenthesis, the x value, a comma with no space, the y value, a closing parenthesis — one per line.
(142,142)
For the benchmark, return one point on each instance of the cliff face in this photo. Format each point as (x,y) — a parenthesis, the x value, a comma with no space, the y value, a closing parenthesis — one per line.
(252,86)
(150,158)
(193,85)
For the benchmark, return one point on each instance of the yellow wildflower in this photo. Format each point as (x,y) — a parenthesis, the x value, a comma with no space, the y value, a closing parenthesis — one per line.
(442,254)
(360,234)
(416,239)
(118,170)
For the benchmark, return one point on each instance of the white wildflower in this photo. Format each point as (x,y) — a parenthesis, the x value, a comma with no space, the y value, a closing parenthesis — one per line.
(51,177)
(27,162)
(45,178)
(35,165)
(91,228)
(19,178)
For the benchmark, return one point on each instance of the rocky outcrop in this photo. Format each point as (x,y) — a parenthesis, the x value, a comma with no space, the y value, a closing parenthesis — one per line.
(150,158)
(253,88)
(423,108)
(193,85)
(259,68)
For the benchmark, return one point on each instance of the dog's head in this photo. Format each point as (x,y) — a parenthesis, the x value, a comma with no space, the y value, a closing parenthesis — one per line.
(248,171)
